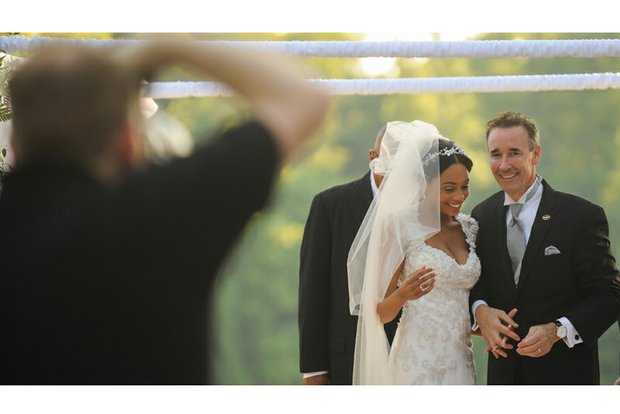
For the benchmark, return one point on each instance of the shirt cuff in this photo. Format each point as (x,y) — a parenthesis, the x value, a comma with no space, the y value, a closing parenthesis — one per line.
(314,374)
(474,306)
(572,336)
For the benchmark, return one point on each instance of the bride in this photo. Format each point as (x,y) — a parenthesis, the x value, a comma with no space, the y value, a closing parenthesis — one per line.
(415,252)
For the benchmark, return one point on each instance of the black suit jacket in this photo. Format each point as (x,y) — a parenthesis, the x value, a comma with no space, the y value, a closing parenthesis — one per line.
(326,328)
(581,283)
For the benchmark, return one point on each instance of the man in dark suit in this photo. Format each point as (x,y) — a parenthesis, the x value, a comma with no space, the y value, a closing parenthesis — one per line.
(326,328)
(540,312)
(108,264)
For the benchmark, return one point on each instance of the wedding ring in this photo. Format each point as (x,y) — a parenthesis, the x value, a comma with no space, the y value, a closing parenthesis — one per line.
(422,288)
(539,351)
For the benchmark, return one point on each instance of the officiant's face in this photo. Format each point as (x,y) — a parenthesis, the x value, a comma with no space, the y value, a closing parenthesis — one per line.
(513,163)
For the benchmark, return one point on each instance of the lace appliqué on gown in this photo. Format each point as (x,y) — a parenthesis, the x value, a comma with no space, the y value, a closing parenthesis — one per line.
(433,341)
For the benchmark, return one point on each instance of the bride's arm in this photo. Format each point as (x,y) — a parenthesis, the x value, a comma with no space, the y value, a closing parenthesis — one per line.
(418,284)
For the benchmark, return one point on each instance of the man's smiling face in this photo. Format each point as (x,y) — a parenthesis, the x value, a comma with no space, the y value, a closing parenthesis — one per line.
(513,163)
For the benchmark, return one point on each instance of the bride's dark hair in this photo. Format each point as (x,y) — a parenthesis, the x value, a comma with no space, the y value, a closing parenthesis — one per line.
(450,153)
(447,154)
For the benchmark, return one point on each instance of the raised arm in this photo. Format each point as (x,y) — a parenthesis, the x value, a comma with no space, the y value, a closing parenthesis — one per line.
(290,106)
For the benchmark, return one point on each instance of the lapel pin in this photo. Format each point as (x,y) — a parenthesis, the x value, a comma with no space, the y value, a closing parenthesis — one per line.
(546,217)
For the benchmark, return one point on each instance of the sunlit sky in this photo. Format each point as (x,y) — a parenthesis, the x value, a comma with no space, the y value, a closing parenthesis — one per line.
(379,20)
(386,66)
(359,16)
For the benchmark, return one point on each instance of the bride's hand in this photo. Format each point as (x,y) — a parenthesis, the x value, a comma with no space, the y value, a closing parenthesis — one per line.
(418,284)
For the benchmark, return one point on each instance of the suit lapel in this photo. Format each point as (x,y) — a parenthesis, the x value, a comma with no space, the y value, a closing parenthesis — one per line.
(539,229)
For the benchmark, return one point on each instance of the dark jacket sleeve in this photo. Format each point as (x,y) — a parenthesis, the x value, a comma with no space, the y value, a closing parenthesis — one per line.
(479,291)
(597,277)
(314,273)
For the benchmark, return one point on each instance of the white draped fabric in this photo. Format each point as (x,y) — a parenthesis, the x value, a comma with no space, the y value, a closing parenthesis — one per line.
(379,247)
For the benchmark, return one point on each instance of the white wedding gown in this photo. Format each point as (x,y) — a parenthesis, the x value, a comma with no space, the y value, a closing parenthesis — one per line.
(433,340)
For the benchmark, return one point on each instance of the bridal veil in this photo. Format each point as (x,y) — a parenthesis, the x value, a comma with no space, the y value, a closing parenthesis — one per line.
(408,200)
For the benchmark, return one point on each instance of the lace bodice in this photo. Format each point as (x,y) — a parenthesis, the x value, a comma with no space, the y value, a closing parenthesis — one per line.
(433,340)
(450,274)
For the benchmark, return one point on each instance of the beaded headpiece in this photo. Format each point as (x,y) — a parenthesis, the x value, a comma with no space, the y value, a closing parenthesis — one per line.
(445,152)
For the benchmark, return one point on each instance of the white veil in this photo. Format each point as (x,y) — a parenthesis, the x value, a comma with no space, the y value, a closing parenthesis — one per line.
(406,201)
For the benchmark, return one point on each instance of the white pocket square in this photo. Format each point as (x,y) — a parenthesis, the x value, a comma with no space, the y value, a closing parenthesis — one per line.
(551,250)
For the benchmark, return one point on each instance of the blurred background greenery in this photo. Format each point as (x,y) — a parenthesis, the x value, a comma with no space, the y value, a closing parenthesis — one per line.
(256,298)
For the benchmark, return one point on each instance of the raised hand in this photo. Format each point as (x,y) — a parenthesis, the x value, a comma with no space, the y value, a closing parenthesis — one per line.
(418,284)
(496,326)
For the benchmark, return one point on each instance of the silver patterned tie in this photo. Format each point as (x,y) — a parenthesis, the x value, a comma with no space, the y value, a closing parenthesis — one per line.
(515,235)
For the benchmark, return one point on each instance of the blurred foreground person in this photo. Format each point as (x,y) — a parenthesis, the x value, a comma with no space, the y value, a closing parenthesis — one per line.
(107,264)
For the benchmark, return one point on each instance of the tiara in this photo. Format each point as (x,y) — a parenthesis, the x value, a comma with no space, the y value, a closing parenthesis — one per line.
(446,152)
